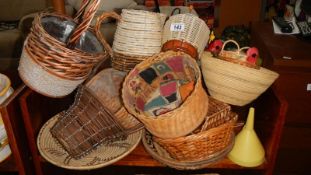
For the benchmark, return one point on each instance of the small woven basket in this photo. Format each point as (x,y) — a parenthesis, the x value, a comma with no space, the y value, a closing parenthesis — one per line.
(237,56)
(60,52)
(234,83)
(185,32)
(96,117)
(179,121)
(212,137)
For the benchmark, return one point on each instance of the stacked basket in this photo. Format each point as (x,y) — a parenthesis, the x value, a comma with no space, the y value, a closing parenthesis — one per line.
(55,61)
(232,80)
(137,37)
(187,33)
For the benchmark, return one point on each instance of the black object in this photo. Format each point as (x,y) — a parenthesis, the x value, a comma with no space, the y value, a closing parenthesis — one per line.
(284,25)
(304,28)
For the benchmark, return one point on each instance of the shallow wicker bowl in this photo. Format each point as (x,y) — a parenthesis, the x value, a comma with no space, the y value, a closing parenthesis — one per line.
(233,83)
(179,121)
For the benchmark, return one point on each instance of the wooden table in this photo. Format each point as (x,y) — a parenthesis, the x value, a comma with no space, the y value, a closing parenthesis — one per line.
(290,56)
(270,116)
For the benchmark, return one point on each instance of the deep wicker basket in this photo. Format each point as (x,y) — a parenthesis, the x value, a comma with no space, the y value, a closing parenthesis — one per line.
(234,83)
(187,33)
(208,140)
(60,52)
(96,117)
(179,121)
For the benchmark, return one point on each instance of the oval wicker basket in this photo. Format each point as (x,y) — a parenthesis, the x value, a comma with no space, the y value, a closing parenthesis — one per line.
(234,83)
(54,61)
(208,140)
(191,30)
(179,121)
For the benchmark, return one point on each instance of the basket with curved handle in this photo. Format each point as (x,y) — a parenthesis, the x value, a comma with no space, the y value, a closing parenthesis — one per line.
(237,56)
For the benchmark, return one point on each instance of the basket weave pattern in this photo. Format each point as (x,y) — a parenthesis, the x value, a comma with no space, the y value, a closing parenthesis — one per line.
(213,136)
(233,83)
(195,32)
(180,121)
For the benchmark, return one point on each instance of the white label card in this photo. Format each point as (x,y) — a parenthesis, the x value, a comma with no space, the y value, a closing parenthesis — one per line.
(309,87)
(177,27)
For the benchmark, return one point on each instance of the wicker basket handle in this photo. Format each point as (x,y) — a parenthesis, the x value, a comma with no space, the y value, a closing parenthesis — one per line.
(85,22)
(230,41)
(99,35)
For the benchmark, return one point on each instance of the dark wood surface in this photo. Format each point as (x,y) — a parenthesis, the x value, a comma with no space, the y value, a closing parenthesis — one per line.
(295,75)
(20,160)
(270,106)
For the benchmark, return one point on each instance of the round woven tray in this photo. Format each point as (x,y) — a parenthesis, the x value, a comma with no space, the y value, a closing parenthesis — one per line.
(161,155)
(102,156)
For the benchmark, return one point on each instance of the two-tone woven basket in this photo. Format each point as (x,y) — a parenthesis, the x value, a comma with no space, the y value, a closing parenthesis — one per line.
(234,83)
(206,141)
(138,35)
(60,52)
(179,121)
(187,33)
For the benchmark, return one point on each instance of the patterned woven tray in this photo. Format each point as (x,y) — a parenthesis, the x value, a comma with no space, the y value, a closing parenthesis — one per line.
(102,156)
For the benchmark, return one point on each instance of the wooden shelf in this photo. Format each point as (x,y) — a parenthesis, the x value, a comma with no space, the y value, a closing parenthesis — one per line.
(270,115)
(8,165)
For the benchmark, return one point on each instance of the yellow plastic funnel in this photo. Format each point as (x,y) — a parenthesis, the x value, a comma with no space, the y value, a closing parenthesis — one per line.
(247,150)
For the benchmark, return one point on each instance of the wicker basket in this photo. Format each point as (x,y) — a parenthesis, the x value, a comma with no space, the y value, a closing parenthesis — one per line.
(191,32)
(212,137)
(237,56)
(96,117)
(139,33)
(233,83)
(54,61)
(177,122)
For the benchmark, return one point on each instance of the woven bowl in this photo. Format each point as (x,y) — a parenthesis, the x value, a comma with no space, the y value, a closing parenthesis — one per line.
(179,121)
(233,83)
(208,140)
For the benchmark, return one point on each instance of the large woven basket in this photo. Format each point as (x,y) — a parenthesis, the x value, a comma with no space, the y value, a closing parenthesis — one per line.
(60,52)
(208,140)
(96,117)
(187,33)
(234,83)
(179,121)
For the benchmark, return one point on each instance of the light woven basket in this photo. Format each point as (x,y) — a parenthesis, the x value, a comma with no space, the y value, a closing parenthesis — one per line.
(208,140)
(54,61)
(183,119)
(234,83)
(193,30)
(138,33)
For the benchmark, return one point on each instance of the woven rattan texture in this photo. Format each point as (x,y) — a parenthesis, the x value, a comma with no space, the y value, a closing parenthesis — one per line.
(180,121)
(139,33)
(233,83)
(86,125)
(104,155)
(198,146)
(195,31)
